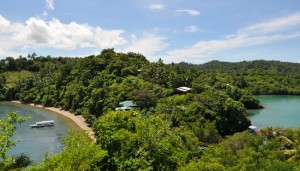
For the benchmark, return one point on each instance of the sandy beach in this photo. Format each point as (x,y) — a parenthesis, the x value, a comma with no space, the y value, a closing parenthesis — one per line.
(78,120)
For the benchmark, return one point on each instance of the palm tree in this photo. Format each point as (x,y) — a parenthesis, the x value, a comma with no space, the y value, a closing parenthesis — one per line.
(18,162)
(293,153)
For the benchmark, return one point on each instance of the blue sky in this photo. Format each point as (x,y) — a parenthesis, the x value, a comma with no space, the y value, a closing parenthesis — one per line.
(194,31)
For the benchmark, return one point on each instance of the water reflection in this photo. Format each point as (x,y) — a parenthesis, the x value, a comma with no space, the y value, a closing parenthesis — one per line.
(37,141)
(254,112)
(279,111)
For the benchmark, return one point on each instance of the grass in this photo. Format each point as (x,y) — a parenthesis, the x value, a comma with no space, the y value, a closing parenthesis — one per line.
(12,77)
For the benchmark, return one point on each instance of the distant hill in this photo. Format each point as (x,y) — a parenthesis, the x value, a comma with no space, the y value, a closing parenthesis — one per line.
(257,66)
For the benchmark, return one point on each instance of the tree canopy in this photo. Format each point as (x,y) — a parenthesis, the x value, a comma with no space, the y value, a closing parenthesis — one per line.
(201,129)
(7,130)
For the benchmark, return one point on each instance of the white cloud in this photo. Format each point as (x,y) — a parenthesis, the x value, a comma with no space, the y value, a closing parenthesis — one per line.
(35,33)
(192,29)
(188,11)
(4,24)
(279,29)
(206,48)
(49,7)
(276,25)
(148,45)
(50,4)
(156,6)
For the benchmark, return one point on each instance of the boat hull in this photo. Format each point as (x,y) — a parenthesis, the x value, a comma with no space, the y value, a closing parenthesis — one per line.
(40,126)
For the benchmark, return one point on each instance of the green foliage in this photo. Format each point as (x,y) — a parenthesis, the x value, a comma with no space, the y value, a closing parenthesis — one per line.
(79,153)
(18,162)
(169,130)
(259,77)
(244,151)
(201,166)
(95,85)
(13,77)
(197,111)
(7,130)
(258,66)
(250,102)
(134,142)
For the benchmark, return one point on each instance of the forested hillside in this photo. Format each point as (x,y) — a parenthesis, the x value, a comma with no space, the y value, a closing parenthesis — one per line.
(169,129)
(260,77)
(94,85)
(271,67)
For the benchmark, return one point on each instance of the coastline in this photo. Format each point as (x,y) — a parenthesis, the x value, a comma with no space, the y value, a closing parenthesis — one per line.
(77,119)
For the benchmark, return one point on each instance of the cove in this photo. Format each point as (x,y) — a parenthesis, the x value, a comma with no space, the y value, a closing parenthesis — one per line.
(279,110)
(36,142)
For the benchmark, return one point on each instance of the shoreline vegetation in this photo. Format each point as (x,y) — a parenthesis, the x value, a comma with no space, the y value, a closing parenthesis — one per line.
(200,129)
(77,119)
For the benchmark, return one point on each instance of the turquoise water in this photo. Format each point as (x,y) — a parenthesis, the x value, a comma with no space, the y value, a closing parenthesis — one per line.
(279,111)
(36,142)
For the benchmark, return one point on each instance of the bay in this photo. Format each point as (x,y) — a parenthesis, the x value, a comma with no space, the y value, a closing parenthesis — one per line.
(279,110)
(36,142)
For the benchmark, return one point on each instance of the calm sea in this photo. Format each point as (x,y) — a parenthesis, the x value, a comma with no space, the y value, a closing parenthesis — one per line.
(279,111)
(36,142)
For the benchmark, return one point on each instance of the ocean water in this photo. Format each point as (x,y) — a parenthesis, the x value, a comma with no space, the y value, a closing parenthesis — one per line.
(281,111)
(36,142)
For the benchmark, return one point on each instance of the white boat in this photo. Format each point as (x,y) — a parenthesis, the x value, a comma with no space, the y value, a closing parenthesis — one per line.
(42,124)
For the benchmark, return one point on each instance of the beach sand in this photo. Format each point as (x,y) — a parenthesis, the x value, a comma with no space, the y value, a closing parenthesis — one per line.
(77,119)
